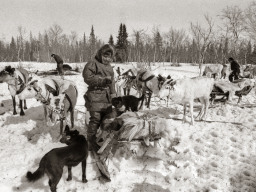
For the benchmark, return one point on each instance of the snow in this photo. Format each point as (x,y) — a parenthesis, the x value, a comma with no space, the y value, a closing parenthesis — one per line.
(217,155)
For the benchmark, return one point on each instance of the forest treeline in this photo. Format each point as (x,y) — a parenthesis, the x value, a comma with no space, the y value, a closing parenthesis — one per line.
(204,42)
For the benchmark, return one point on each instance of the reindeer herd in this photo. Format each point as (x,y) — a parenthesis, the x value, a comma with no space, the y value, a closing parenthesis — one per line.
(59,96)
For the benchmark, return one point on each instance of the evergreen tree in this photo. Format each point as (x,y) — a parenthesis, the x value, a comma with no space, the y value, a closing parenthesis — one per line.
(158,46)
(111,40)
(124,37)
(119,43)
(92,43)
(253,55)
(13,50)
(249,52)
(84,52)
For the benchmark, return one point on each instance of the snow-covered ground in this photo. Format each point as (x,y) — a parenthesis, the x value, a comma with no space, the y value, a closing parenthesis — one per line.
(217,155)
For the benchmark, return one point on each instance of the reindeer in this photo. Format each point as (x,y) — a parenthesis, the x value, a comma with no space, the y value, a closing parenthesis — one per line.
(57,96)
(130,81)
(184,91)
(16,78)
(148,84)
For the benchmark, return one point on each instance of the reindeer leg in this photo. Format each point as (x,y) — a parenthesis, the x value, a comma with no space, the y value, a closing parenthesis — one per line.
(124,91)
(202,108)
(25,104)
(149,98)
(61,127)
(184,112)
(72,118)
(142,102)
(45,113)
(21,109)
(191,105)
(14,105)
(206,106)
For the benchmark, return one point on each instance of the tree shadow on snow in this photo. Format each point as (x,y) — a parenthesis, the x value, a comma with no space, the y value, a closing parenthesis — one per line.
(40,129)
(144,186)
(6,106)
(33,113)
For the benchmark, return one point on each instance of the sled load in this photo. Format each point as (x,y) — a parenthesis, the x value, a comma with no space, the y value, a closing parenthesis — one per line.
(66,68)
(131,126)
(226,89)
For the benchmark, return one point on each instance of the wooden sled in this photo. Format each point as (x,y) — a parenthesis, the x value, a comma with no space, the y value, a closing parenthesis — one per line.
(134,128)
(219,92)
(55,72)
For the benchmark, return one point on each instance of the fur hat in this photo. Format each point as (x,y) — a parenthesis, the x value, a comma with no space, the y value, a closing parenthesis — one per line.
(230,59)
(105,49)
(52,55)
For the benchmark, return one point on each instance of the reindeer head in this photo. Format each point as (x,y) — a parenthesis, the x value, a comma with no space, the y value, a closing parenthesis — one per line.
(55,109)
(7,74)
(30,90)
(167,87)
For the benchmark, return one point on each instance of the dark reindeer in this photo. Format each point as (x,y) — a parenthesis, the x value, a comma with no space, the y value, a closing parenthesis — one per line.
(148,84)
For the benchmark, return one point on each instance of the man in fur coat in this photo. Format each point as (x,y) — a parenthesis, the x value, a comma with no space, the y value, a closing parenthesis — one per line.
(59,62)
(98,74)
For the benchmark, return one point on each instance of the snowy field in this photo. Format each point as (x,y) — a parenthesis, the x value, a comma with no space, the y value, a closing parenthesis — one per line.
(217,155)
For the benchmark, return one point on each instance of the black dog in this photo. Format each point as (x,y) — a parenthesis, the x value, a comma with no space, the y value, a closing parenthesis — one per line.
(128,101)
(53,162)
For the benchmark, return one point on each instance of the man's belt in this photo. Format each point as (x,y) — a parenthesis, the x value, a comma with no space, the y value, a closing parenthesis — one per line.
(98,88)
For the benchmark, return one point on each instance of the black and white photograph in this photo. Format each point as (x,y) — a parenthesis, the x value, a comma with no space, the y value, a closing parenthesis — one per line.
(128,95)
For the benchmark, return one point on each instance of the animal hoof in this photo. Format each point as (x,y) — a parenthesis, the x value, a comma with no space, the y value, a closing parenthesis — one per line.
(14,113)
(69,179)
(25,108)
(84,180)
(22,113)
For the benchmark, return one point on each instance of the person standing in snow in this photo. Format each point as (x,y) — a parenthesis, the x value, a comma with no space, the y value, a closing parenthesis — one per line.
(235,68)
(98,74)
(59,62)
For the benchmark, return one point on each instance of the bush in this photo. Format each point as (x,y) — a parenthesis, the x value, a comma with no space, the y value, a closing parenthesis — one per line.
(175,64)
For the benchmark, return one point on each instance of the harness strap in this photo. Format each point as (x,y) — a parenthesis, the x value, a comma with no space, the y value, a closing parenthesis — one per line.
(69,100)
(57,87)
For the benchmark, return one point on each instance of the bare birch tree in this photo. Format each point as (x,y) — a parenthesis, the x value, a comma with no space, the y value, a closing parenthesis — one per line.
(202,37)
(20,42)
(175,38)
(250,20)
(233,18)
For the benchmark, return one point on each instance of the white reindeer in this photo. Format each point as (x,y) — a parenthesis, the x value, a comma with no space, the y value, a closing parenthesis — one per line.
(184,91)
(16,78)
(58,97)
(213,69)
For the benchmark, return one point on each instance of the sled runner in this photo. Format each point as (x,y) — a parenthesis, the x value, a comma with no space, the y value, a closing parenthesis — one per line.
(101,164)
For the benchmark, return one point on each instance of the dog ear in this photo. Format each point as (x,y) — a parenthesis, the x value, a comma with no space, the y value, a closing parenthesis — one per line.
(75,132)
(67,128)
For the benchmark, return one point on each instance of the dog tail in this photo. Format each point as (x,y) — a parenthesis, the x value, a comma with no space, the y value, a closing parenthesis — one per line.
(37,174)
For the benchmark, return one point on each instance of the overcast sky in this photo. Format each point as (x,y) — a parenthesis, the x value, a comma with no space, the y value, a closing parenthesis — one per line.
(105,15)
